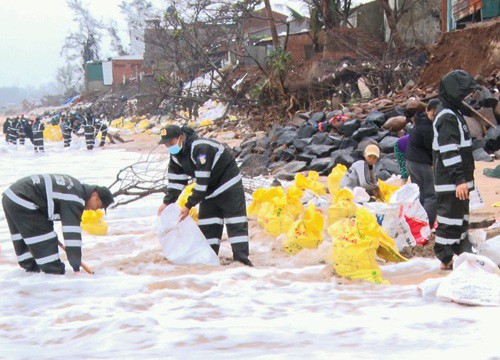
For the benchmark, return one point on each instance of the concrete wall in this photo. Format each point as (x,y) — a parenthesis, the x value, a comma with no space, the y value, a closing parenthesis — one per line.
(422,24)
(369,17)
(96,85)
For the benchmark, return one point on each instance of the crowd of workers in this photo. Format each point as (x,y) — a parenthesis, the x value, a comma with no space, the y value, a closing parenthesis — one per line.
(18,129)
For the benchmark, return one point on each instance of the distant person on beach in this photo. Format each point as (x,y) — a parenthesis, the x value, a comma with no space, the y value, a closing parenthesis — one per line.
(419,158)
(453,166)
(219,188)
(362,174)
(37,128)
(31,206)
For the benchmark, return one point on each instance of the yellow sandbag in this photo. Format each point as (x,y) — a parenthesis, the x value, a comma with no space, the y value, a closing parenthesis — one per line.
(342,207)
(355,244)
(142,125)
(273,218)
(261,196)
(310,182)
(306,232)
(182,200)
(387,249)
(386,190)
(52,133)
(117,123)
(206,123)
(294,205)
(93,223)
(334,178)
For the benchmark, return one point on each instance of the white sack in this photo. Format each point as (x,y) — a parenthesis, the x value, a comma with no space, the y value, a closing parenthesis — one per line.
(183,242)
(474,281)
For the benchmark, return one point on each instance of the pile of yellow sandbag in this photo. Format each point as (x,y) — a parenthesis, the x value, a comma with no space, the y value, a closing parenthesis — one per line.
(357,238)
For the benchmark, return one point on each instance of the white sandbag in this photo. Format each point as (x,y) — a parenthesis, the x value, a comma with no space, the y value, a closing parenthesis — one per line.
(429,287)
(476,200)
(486,247)
(474,281)
(397,228)
(183,242)
(360,195)
(414,222)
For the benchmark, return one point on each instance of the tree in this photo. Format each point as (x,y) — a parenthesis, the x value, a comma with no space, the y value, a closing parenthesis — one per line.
(69,78)
(328,15)
(392,23)
(272,25)
(116,42)
(83,44)
(192,38)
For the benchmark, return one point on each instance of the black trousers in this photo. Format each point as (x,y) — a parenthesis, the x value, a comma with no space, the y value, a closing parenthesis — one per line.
(89,137)
(104,133)
(423,176)
(453,222)
(13,137)
(227,208)
(66,138)
(38,143)
(34,239)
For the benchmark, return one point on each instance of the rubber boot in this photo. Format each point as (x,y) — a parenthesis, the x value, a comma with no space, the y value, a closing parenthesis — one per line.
(240,253)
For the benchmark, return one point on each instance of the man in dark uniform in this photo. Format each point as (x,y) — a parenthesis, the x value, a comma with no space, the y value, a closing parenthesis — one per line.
(6,126)
(66,128)
(219,189)
(89,130)
(37,129)
(33,203)
(101,126)
(13,131)
(21,129)
(453,166)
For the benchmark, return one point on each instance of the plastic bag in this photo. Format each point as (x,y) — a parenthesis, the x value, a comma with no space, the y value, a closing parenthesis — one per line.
(273,217)
(310,182)
(489,248)
(474,281)
(355,244)
(476,200)
(92,222)
(261,196)
(183,242)
(276,211)
(386,190)
(334,178)
(413,225)
(294,205)
(182,200)
(306,232)
(52,133)
(342,207)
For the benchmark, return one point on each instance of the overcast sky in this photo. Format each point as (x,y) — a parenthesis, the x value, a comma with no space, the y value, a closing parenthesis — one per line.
(32,33)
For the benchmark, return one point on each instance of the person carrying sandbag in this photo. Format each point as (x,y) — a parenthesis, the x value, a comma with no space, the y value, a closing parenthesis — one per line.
(219,188)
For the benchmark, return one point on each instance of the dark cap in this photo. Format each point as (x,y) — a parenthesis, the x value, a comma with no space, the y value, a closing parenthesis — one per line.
(105,195)
(169,132)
